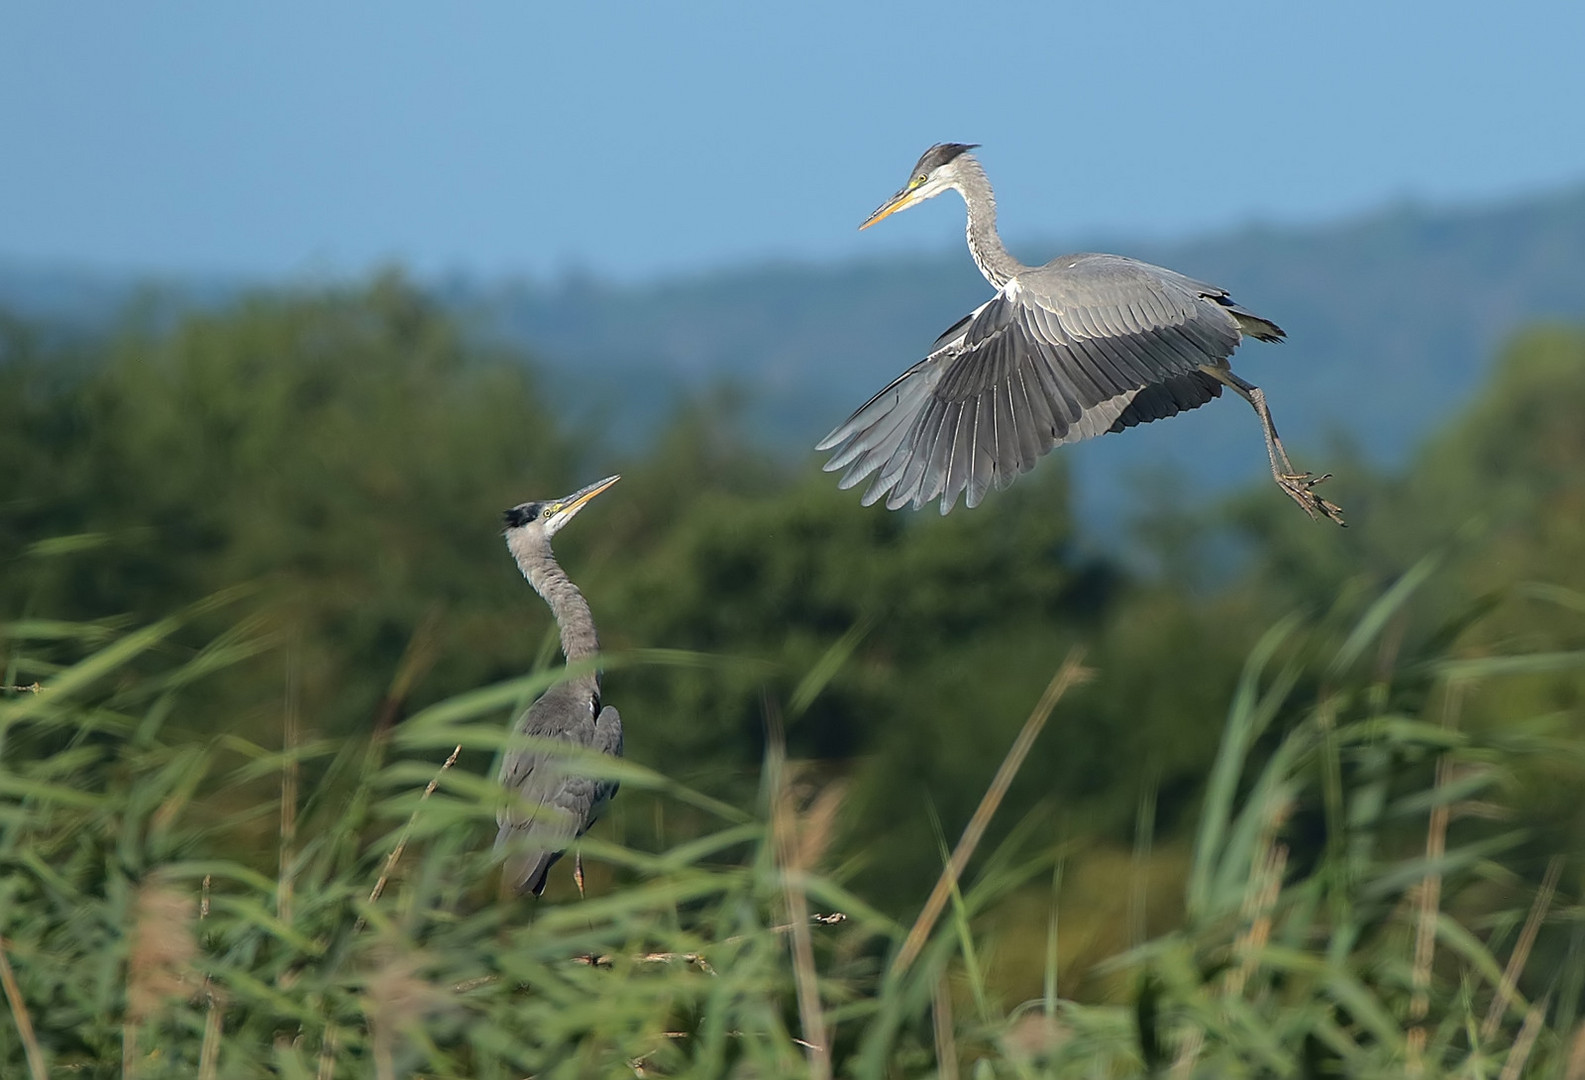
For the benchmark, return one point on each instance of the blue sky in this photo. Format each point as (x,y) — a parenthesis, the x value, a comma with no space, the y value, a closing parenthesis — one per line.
(635,139)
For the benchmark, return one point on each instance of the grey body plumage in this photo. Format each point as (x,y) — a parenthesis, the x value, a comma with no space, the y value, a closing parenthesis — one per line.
(549,805)
(1084,345)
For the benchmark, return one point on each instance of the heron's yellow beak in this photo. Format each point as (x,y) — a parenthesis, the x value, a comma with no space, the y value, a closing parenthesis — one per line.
(900,201)
(563,512)
(576,501)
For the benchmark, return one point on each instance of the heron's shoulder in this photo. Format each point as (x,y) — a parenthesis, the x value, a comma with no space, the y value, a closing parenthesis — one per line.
(1100,268)
(1095,280)
(558,709)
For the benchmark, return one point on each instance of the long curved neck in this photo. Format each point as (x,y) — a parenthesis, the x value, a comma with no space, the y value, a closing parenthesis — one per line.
(985,244)
(578,638)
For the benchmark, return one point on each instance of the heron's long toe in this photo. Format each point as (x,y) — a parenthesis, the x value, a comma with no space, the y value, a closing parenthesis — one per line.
(1301,489)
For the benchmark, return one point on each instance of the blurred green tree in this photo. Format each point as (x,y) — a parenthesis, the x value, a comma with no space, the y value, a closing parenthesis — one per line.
(347,452)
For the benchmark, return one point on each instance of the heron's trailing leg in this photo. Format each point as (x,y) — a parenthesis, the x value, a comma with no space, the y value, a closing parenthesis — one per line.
(1300,486)
(577,877)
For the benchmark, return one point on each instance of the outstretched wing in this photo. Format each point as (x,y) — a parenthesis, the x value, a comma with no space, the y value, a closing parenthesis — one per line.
(550,807)
(1084,345)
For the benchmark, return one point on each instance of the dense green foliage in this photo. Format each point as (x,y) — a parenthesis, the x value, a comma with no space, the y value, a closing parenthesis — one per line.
(348,455)
(337,452)
(314,483)
(135,942)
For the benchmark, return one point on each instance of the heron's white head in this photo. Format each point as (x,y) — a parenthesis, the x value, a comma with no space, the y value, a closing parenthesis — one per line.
(935,172)
(542,520)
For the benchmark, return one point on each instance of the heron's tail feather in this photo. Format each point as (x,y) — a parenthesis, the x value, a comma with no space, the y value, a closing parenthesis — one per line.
(526,865)
(527,871)
(1256,327)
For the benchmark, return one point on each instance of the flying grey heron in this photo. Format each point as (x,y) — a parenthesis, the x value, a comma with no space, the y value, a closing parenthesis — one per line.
(550,807)
(1083,345)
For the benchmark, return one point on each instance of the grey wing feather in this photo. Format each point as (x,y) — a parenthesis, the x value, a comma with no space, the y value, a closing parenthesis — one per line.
(1082,346)
(607,740)
(550,807)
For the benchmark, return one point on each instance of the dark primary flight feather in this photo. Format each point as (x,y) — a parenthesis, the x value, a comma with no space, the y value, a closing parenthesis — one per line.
(1084,345)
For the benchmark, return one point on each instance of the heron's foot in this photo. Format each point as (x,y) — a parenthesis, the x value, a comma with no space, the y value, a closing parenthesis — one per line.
(1301,489)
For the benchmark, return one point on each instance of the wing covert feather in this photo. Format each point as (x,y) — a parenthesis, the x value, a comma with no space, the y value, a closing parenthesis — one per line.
(1085,345)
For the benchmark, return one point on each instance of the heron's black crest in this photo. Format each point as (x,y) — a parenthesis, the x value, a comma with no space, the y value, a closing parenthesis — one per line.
(939,154)
(519,516)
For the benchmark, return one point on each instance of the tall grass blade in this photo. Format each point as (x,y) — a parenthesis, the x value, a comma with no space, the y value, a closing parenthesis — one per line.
(1247,717)
(1521,949)
(1070,673)
(1376,617)
(826,668)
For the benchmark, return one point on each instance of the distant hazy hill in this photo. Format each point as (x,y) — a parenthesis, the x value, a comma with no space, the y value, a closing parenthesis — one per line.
(1391,320)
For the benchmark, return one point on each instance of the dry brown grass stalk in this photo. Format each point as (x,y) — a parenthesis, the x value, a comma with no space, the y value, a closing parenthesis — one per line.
(1260,898)
(692,959)
(605,960)
(1033,1035)
(160,961)
(1521,949)
(799,843)
(1188,1053)
(209,1052)
(1069,675)
(1524,1043)
(1253,939)
(19,1013)
(396,997)
(407,830)
(813,830)
(327,1054)
(1575,1069)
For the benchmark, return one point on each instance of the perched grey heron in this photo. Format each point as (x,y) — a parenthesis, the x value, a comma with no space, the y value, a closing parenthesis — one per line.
(550,807)
(1081,346)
